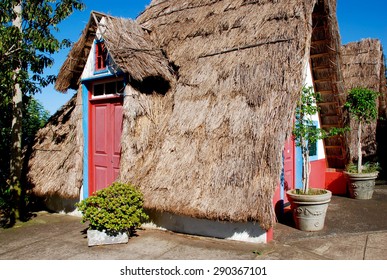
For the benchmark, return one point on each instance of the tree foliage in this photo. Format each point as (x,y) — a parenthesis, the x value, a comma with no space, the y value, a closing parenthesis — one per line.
(362,106)
(31,48)
(35,117)
(27,32)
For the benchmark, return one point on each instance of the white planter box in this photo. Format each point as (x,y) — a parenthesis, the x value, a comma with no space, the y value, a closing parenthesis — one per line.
(96,237)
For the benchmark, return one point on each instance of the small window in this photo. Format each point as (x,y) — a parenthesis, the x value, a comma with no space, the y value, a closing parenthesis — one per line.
(100,56)
(99,89)
(111,88)
(116,87)
(312,146)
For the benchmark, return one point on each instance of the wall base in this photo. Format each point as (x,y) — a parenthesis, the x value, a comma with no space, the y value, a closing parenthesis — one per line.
(248,232)
(335,181)
(58,204)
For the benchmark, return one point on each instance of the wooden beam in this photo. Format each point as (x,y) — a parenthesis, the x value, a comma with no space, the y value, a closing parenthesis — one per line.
(328,103)
(323,80)
(319,55)
(321,67)
(320,42)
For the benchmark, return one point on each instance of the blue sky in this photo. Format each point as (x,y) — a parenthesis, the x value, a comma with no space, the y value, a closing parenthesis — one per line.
(358,19)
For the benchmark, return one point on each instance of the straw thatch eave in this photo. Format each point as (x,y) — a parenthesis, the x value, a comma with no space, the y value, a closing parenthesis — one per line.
(55,166)
(130,50)
(212,146)
(363,66)
(70,73)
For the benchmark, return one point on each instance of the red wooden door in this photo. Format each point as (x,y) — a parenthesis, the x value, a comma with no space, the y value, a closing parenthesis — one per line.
(105,138)
(289,167)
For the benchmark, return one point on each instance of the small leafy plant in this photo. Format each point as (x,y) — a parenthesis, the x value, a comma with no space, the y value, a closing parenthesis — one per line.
(368,167)
(362,106)
(115,209)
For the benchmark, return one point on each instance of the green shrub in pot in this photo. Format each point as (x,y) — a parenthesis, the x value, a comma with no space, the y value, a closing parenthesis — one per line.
(117,208)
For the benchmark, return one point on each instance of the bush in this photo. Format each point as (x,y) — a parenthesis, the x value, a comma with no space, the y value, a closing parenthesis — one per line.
(115,209)
(369,167)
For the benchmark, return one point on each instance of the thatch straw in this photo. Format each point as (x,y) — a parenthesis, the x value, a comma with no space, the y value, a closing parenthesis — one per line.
(133,52)
(130,48)
(70,73)
(363,66)
(56,163)
(212,146)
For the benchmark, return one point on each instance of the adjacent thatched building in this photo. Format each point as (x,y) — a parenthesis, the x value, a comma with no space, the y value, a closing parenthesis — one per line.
(55,167)
(210,92)
(363,66)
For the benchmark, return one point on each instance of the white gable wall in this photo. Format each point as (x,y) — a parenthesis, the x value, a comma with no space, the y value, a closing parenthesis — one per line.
(320,145)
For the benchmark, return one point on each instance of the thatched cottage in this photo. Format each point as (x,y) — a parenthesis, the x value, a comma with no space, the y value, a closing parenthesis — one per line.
(193,102)
(363,66)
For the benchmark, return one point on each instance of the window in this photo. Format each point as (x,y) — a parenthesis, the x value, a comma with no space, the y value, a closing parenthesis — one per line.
(100,56)
(312,146)
(114,87)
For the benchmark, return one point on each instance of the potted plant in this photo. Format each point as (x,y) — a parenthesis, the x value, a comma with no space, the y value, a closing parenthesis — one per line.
(362,107)
(113,214)
(309,205)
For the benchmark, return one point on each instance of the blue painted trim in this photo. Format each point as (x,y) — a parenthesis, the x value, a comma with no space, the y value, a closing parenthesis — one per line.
(85,126)
(282,178)
(103,76)
(99,72)
(298,167)
(314,158)
(98,77)
(298,171)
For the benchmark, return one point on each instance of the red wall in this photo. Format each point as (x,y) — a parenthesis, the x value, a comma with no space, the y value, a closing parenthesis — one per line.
(335,181)
(317,174)
(322,177)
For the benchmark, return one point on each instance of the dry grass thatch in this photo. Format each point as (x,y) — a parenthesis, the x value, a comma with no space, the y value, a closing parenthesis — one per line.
(363,66)
(133,52)
(56,163)
(212,146)
(129,47)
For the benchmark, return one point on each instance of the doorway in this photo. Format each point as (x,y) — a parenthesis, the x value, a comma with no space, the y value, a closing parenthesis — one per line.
(105,124)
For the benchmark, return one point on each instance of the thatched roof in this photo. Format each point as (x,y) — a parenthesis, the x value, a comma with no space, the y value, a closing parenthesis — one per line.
(212,146)
(129,47)
(363,66)
(56,164)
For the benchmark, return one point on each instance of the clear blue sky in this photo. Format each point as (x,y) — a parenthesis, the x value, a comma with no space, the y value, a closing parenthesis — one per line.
(358,19)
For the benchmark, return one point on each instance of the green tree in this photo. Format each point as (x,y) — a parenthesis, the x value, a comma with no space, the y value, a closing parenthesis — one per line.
(35,117)
(362,106)
(306,133)
(27,42)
